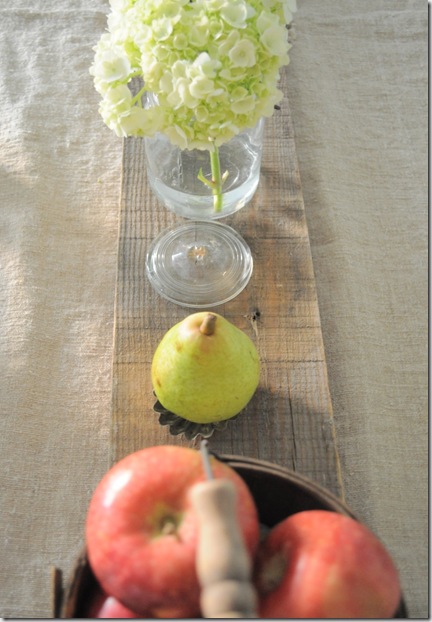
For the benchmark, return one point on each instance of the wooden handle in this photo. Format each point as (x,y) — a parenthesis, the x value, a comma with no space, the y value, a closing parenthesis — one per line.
(223,564)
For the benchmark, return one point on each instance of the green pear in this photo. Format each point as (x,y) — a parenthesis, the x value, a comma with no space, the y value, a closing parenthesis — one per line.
(205,369)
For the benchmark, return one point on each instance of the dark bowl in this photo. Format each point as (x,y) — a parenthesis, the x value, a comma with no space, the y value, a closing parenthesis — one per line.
(278,493)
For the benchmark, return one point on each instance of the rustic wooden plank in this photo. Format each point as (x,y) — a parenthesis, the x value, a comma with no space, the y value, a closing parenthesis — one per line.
(289,420)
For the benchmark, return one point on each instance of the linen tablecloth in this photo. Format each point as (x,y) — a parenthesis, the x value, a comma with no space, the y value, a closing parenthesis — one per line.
(358,99)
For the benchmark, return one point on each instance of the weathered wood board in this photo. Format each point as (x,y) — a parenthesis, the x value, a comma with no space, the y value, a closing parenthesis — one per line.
(289,420)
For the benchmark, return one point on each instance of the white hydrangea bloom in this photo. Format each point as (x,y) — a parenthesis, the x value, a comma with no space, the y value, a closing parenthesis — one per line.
(211,66)
(111,66)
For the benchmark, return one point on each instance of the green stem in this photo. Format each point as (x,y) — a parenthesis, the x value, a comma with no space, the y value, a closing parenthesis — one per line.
(217,180)
(138,96)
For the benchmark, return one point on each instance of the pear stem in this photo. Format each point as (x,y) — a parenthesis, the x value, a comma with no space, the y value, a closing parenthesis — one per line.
(208,324)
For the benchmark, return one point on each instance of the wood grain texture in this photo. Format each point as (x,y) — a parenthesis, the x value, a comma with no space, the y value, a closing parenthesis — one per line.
(289,420)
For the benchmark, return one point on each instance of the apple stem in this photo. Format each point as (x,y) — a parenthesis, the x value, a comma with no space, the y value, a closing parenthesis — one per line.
(168,528)
(208,324)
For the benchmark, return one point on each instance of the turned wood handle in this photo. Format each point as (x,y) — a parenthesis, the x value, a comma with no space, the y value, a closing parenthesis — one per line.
(223,564)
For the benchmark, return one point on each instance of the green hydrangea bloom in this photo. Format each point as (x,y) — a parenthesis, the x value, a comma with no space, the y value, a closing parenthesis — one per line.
(212,67)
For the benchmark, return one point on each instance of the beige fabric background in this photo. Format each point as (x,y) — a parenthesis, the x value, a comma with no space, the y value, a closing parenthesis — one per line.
(358,97)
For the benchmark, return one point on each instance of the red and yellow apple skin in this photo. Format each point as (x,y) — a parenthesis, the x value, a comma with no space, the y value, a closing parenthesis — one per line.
(142,531)
(320,564)
(104,606)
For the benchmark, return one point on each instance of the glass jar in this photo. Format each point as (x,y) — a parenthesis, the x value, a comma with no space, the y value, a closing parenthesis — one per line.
(173,174)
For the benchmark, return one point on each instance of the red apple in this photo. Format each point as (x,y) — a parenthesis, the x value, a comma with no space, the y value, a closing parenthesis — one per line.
(320,564)
(142,531)
(104,606)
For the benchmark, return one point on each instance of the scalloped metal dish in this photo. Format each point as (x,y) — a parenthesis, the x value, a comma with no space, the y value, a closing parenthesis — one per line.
(177,425)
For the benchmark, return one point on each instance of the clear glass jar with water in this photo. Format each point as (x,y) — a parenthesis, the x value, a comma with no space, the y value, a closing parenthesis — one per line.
(173,174)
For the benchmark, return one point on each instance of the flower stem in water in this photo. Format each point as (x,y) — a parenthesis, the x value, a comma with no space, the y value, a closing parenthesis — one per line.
(217,180)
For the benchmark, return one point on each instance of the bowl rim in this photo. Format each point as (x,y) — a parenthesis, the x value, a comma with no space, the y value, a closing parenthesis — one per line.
(256,464)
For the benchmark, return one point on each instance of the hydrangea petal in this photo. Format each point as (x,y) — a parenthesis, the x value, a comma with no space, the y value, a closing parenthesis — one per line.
(274,40)
(243,54)
(235,14)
